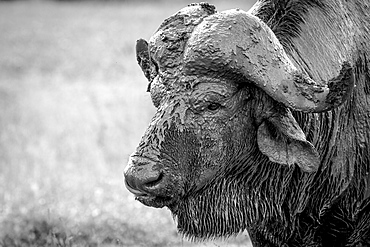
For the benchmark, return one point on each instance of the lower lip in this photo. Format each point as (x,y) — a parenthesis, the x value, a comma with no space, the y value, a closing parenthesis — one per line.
(154,201)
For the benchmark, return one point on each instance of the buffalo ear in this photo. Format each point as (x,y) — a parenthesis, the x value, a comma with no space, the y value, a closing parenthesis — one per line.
(283,141)
(142,57)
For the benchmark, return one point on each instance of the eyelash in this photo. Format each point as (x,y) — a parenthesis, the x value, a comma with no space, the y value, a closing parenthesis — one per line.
(213,106)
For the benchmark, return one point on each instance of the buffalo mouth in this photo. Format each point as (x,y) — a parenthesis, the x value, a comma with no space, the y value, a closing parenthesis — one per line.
(155,201)
(151,199)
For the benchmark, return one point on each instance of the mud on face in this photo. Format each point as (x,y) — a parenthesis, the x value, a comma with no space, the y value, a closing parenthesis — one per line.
(193,135)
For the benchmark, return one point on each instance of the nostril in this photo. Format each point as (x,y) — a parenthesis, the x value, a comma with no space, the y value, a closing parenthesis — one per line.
(142,181)
(141,186)
(132,186)
(143,176)
(129,183)
(153,181)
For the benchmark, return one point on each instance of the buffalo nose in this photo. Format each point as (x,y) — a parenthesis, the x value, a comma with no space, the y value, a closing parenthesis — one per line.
(141,177)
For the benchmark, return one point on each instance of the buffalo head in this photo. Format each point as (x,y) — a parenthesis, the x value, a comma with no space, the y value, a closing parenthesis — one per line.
(223,87)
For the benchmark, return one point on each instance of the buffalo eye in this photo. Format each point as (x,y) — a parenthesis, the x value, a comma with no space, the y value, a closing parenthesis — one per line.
(213,106)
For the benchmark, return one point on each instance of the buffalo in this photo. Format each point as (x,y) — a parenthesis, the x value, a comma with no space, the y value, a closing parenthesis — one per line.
(262,122)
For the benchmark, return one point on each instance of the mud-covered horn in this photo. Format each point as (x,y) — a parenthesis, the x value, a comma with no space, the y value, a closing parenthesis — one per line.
(237,42)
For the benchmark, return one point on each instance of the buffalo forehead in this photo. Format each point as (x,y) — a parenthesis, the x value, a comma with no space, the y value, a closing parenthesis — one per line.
(191,89)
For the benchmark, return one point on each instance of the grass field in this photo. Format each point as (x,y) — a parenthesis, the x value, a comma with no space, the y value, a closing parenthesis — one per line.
(73,107)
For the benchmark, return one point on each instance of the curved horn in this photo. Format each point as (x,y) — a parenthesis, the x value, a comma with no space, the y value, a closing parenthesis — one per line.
(234,41)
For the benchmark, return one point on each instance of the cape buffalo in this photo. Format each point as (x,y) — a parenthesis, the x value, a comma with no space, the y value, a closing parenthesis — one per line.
(262,122)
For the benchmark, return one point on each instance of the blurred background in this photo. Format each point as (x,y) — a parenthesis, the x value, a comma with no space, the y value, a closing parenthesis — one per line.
(73,106)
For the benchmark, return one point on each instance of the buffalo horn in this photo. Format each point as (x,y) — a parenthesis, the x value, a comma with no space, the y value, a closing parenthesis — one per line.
(239,42)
